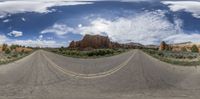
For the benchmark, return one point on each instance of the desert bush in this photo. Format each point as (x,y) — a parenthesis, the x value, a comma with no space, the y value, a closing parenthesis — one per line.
(61,49)
(4,47)
(195,49)
(15,55)
(7,51)
(160,54)
(170,54)
(88,53)
(13,47)
(183,49)
(100,52)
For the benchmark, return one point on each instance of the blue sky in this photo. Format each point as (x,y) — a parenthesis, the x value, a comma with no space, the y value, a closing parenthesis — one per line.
(56,23)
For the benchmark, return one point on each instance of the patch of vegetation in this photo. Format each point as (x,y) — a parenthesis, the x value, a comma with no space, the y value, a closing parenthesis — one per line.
(195,49)
(12,53)
(183,58)
(95,53)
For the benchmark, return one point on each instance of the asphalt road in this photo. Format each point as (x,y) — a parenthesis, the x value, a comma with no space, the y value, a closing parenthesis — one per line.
(132,75)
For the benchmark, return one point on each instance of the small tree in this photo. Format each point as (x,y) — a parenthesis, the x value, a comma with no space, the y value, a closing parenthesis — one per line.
(7,51)
(195,49)
(164,46)
(4,47)
(183,49)
(13,47)
(61,49)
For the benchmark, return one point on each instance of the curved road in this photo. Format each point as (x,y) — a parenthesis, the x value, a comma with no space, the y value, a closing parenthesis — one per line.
(131,75)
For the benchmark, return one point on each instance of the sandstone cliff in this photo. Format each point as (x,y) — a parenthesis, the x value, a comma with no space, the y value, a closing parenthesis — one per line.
(92,41)
(96,42)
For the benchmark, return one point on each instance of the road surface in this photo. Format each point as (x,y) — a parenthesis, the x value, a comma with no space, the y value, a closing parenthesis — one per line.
(131,75)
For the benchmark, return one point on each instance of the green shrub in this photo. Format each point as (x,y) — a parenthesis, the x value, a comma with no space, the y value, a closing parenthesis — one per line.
(170,54)
(7,51)
(183,49)
(13,47)
(15,55)
(89,53)
(4,47)
(100,52)
(195,49)
(61,49)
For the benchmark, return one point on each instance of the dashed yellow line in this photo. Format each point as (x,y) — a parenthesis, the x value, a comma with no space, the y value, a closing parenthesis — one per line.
(88,76)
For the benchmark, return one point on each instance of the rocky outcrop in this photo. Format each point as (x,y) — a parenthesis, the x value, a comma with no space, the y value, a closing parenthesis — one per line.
(164,46)
(94,42)
(97,42)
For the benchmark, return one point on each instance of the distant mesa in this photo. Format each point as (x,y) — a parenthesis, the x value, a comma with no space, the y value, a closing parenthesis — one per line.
(99,42)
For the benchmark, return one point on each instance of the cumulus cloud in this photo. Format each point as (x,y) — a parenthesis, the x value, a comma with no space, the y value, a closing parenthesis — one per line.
(6,20)
(3,39)
(22,6)
(188,6)
(183,38)
(58,29)
(23,19)
(37,43)
(29,42)
(131,0)
(16,33)
(41,37)
(145,28)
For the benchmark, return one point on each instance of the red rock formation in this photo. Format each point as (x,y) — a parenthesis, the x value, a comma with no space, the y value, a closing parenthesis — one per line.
(92,41)
(96,41)
(163,46)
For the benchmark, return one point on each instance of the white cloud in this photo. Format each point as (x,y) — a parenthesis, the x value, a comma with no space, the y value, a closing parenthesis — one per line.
(23,19)
(32,43)
(2,16)
(41,37)
(179,38)
(38,43)
(80,25)
(3,39)
(137,0)
(58,29)
(22,6)
(188,6)
(145,28)
(16,33)
(6,20)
